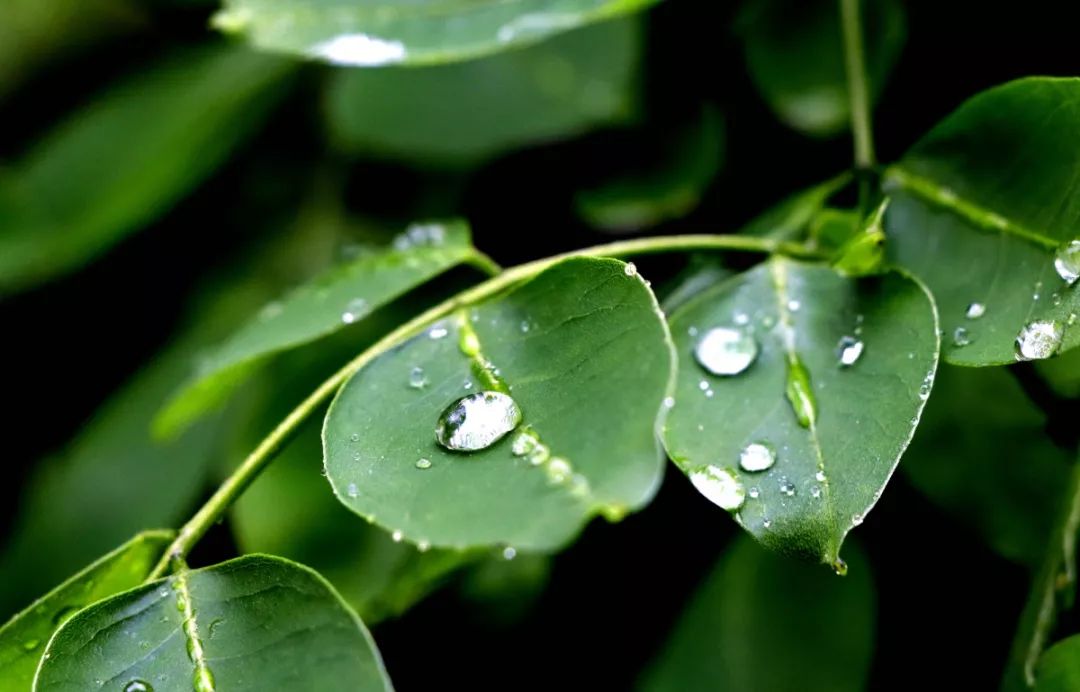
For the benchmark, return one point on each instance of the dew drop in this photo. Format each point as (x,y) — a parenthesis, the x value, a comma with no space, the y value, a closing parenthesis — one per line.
(703,385)
(417,378)
(721,486)
(754,492)
(397,536)
(354,310)
(793,305)
(975,311)
(509,553)
(558,470)
(352,490)
(524,443)
(815,491)
(525,326)
(138,686)
(1067,261)
(630,269)
(787,487)
(960,337)
(437,332)
(849,350)
(423,546)
(669,402)
(756,456)
(840,567)
(423,463)
(477,421)
(856,519)
(819,476)
(355,437)
(726,351)
(741,318)
(1039,339)
(766,522)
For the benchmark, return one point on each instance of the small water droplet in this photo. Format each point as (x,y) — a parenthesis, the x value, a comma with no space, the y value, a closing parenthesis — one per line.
(423,463)
(669,402)
(423,546)
(840,567)
(856,519)
(975,311)
(477,421)
(766,522)
(352,490)
(787,487)
(1039,339)
(397,536)
(757,456)
(741,319)
(558,470)
(726,351)
(703,385)
(138,686)
(417,378)
(509,553)
(815,491)
(849,350)
(524,443)
(630,269)
(1067,261)
(355,437)
(754,492)
(525,326)
(819,476)
(793,305)
(437,332)
(960,337)
(721,486)
(354,310)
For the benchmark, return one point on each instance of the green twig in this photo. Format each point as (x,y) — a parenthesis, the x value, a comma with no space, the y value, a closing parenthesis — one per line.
(859,97)
(261,456)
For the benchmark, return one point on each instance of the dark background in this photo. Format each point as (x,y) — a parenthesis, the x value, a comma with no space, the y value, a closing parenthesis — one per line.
(946,604)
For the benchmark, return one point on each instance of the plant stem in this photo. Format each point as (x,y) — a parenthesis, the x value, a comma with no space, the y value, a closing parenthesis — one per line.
(261,456)
(1056,580)
(859,96)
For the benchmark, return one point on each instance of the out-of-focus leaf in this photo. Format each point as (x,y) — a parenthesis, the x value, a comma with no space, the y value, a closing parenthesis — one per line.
(127,157)
(701,273)
(760,622)
(464,113)
(979,208)
(584,353)
(794,53)
(505,589)
(669,189)
(982,454)
(1062,373)
(792,215)
(23,638)
(254,623)
(337,299)
(290,511)
(839,370)
(1059,667)
(33,32)
(418,32)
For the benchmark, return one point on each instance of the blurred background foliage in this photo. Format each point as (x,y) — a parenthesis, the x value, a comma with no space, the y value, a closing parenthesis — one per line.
(159,184)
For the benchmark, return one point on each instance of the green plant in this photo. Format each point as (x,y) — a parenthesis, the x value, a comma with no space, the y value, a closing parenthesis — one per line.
(479,417)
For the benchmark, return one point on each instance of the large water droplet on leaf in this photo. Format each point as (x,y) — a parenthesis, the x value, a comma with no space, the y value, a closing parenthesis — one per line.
(726,351)
(1039,339)
(720,486)
(849,350)
(477,421)
(756,456)
(1067,261)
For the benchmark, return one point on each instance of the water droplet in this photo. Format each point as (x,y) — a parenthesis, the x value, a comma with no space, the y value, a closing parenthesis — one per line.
(355,437)
(703,385)
(856,519)
(709,393)
(558,470)
(630,269)
(669,402)
(741,319)
(423,463)
(138,686)
(757,456)
(354,310)
(397,536)
(819,476)
(437,332)
(975,311)
(1067,261)
(787,487)
(423,546)
(31,644)
(1039,339)
(840,567)
(754,492)
(417,379)
(960,337)
(525,326)
(815,491)
(799,393)
(793,305)
(720,486)
(477,421)
(766,522)
(352,490)
(726,351)
(849,350)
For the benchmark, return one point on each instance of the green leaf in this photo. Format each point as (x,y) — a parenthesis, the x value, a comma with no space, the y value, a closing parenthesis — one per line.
(982,454)
(1059,667)
(979,207)
(668,189)
(846,425)
(464,113)
(792,215)
(120,162)
(23,638)
(420,32)
(1062,374)
(257,622)
(583,350)
(333,301)
(289,512)
(760,622)
(794,54)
